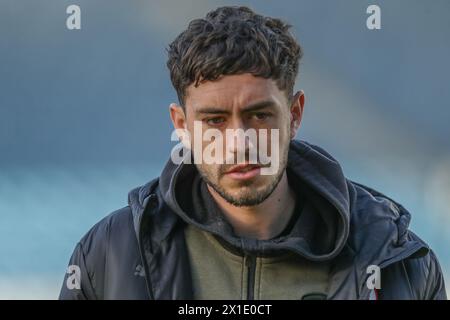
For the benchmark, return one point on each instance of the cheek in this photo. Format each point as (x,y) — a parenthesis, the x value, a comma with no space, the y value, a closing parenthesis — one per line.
(211,170)
(278,139)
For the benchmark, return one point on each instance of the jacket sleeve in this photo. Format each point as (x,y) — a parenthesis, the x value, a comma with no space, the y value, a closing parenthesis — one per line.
(77,284)
(435,288)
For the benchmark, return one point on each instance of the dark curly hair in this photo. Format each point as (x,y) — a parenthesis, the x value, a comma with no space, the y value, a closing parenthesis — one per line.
(234,40)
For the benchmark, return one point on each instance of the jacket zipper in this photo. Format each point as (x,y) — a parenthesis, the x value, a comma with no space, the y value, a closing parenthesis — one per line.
(143,258)
(146,271)
(250,261)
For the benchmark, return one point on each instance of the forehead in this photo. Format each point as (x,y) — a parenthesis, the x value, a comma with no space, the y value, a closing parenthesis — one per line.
(233,91)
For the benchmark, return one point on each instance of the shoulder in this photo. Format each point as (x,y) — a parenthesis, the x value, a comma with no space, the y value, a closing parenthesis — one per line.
(418,278)
(91,259)
(106,238)
(118,227)
(117,222)
(376,220)
(379,233)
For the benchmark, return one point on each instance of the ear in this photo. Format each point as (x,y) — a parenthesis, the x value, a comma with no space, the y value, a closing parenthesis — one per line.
(177,116)
(296,112)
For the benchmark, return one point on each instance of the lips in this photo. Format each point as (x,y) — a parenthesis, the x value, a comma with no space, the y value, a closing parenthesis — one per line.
(244,172)
(242,168)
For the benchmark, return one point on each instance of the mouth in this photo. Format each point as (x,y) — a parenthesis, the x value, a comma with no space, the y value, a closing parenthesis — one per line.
(244,172)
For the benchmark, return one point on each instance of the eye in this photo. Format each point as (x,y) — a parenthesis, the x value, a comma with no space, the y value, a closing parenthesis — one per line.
(261,115)
(215,121)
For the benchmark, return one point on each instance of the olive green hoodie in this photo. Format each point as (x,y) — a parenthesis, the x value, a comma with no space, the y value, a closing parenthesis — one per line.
(225,266)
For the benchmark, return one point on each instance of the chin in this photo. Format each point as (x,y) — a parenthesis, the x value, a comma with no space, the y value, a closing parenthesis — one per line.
(252,189)
(238,186)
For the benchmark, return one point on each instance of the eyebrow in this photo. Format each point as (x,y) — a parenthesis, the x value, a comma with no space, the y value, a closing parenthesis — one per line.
(250,108)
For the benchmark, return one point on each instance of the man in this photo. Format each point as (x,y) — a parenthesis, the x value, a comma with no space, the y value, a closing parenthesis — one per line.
(223,229)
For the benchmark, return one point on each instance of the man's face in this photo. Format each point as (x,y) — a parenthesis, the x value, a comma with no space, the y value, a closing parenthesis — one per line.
(241,102)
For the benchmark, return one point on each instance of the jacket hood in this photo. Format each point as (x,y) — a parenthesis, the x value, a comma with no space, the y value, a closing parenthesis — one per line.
(322,228)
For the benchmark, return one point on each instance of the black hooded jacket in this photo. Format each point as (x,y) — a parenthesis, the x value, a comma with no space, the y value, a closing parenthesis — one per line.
(139,251)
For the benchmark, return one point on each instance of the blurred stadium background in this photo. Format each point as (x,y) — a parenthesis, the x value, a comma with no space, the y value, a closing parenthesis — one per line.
(83,114)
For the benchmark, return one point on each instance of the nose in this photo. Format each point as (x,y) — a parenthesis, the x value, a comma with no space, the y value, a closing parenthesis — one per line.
(239,140)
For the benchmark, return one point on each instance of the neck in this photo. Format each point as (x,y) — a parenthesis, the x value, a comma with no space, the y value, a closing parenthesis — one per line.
(265,220)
